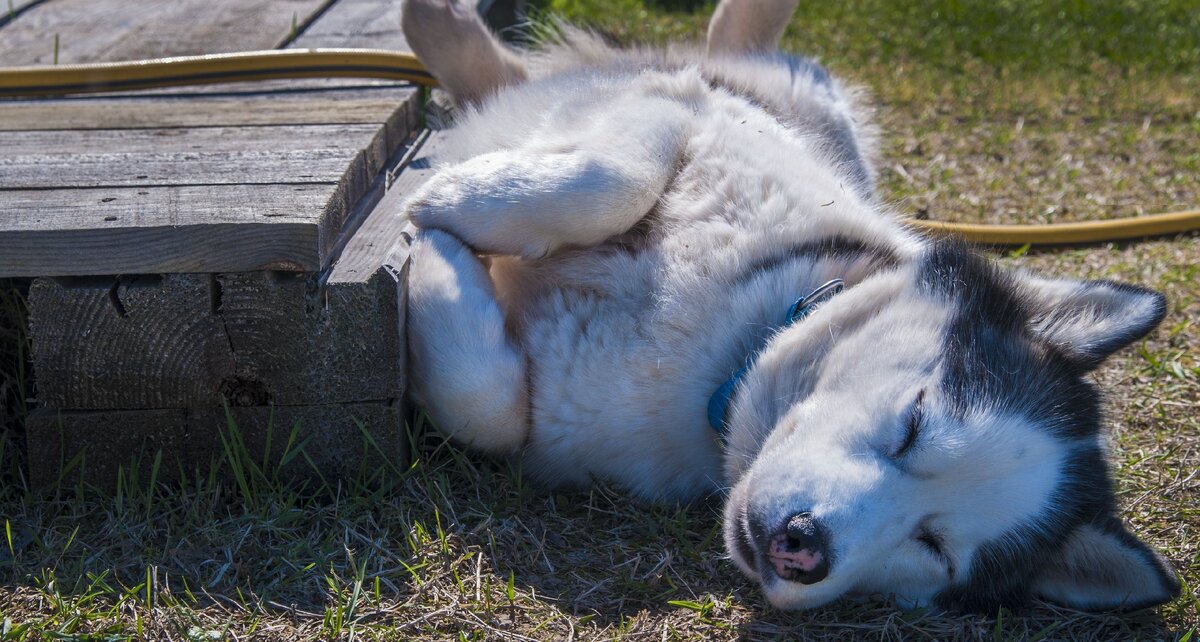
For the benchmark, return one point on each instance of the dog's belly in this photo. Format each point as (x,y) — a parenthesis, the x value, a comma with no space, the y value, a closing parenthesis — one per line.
(627,340)
(611,396)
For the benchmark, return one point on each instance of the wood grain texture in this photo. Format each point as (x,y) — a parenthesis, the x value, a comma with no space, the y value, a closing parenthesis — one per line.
(187,156)
(176,206)
(358,106)
(111,30)
(80,232)
(137,343)
(382,229)
(340,440)
(311,345)
(189,341)
(270,179)
(369,24)
(157,355)
(211,147)
(13,10)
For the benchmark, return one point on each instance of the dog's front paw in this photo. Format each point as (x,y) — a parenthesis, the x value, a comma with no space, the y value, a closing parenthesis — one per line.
(475,202)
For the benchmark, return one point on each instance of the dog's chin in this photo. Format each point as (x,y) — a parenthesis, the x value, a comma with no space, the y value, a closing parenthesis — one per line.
(748,567)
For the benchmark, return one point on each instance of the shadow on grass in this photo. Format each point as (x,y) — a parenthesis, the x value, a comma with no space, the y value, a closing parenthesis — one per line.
(449,544)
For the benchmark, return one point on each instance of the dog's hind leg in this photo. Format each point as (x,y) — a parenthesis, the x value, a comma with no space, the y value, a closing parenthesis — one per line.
(458,49)
(796,90)
(573,188)
(466,372)
(748,25)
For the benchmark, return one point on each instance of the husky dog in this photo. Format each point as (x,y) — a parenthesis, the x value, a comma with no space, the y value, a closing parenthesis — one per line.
(669,270)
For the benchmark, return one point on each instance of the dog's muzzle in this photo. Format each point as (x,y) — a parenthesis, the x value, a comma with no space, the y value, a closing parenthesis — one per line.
(798,551)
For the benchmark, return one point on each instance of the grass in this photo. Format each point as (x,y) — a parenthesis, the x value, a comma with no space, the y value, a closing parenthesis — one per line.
(995,111)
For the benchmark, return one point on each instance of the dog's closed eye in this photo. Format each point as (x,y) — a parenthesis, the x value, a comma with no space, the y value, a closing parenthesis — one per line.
(912,427)
(934,541)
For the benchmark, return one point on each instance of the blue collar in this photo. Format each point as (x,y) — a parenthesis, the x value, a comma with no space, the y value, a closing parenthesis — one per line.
(718,403)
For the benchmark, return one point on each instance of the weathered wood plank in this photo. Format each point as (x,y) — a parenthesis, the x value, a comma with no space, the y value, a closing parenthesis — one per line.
(172,206)
(187,341)
(340,440)
(369,24)
(381,230)
(13,9)
(167,229)
(360,106)
(109,30)
(187,156)
(348,154)
(210,155)
(42,223)
(328,359)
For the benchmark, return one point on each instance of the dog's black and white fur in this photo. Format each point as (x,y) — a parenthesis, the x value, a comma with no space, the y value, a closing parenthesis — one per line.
(612,233)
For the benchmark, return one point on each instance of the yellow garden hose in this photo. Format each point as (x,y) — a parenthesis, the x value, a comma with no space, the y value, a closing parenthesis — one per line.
(273,64)
(59,80)
(1116,229)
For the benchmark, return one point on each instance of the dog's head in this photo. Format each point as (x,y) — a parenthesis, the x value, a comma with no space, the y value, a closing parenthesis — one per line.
(932,434)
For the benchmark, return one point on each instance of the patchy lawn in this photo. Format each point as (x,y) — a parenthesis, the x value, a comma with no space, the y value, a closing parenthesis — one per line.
(992,111)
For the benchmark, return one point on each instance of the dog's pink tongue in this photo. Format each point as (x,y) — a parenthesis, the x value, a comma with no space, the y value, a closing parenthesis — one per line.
(786,560)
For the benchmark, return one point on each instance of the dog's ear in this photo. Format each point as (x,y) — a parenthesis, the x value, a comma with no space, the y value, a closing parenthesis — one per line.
(1102,567)
(1089,320)
(742,26)
(449,37)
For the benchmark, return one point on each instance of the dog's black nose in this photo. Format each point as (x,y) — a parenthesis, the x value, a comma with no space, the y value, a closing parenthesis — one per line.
(799,551)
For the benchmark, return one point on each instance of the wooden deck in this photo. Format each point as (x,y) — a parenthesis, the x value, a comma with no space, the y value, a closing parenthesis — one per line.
(212,179)
(194,247)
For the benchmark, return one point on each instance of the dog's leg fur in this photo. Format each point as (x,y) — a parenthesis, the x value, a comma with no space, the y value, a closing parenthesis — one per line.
(739,26)
(578,190)
(465,369)
(801,93)
(458,49)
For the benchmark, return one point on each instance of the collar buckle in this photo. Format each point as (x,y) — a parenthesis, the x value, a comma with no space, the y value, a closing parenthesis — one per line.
(806,304)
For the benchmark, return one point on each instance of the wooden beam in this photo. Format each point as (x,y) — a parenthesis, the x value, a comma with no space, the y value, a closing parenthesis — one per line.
(143,342)
(141,227)
(339,441)
(69,447)
(292,202)
(189,341)
(308,345)
(154,355)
